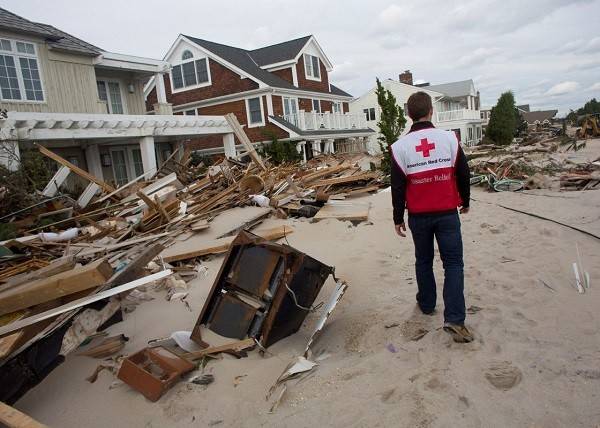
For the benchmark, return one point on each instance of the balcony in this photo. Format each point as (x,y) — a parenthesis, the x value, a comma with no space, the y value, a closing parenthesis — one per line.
(312,121)
(462,114)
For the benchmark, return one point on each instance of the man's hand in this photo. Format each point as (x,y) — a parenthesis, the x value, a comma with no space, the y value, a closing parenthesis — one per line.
(401,229)
(464,210)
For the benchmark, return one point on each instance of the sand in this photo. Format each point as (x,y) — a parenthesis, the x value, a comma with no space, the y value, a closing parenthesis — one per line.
(534,361)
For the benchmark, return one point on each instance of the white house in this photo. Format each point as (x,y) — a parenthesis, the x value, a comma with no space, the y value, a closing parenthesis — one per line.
(455,107)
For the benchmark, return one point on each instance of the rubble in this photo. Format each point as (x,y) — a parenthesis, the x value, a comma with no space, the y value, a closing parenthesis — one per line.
(540,161)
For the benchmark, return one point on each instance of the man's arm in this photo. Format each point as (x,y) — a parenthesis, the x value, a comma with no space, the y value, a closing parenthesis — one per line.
(463,177)
(398,184)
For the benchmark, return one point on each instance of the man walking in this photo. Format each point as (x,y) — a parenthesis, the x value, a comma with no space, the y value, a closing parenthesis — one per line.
(430,178)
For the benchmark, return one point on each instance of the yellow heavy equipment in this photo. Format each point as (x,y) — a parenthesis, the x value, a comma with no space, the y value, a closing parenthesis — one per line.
(589,127)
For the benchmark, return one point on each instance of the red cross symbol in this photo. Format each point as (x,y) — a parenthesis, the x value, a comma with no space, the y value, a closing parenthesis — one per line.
(425,147)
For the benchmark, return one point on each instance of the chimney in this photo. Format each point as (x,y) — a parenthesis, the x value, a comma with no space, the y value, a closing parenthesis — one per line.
(406,77)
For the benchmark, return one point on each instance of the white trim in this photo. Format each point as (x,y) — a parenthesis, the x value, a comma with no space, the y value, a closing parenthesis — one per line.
(293,134)
(130,62)
(262,113)
(221,100)
(287,64)
(278,65)
(270,104)
(295,75)
(15,54)
(197,85)
(328,64)
(308,94)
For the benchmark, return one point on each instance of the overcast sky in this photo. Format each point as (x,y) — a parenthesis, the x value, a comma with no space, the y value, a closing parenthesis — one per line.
(547,52)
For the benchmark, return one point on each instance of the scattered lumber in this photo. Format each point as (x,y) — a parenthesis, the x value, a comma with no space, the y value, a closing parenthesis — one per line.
(237,346)
(55,286)
(13,418)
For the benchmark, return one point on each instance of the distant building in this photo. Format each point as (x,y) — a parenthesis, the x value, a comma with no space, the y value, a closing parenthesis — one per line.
(456,106)
(538,119)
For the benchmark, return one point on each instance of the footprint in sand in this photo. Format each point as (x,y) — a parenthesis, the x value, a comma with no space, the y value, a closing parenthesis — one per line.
(503,375)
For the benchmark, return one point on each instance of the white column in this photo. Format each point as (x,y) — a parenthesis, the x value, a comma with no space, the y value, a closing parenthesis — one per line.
(148,156)
(331,146)
(161,94)
(10,156)
(301,147)
(316,147)
(92,158)
(229,145)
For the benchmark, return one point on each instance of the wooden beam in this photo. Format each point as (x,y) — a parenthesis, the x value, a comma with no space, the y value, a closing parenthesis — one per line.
(18,325)
(147,200)
(161,209)
(218,246)
(13,418)
(56,267)
(55,286)
(80,172)
(241,135)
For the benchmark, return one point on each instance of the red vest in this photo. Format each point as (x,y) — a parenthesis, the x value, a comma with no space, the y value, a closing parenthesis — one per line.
(428,158)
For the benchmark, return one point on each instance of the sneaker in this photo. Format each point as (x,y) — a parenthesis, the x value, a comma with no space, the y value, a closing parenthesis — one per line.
(426,311)
(459,333)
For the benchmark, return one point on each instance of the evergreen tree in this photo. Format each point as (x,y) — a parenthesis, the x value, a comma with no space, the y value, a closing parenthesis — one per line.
(391,123)
(503,123)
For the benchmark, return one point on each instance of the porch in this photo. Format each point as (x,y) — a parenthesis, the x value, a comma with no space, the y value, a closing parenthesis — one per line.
(313,121)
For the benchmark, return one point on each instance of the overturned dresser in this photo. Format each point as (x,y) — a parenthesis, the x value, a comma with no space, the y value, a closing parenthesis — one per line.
(263,290)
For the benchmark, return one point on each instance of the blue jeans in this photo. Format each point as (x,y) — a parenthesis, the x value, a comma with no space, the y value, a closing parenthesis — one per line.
(446,230)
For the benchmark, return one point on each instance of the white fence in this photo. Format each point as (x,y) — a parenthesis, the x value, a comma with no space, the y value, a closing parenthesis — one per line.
(462,114)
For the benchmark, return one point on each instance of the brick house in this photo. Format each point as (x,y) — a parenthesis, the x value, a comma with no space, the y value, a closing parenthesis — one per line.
(280,91)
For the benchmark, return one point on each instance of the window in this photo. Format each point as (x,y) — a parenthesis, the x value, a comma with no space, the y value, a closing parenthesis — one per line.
(19,72)
(316,105)
(369,113)
(254,112)
(138,164)
(190,73)
(290,110)
(311,67)
(110,92)
(190,112)
(470,133)
(337,107)
(119,164)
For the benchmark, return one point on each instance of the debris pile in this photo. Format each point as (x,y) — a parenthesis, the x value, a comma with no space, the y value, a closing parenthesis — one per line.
(74,268)
(541,160)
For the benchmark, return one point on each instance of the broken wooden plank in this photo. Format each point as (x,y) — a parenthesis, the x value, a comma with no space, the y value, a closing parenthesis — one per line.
(80,172)
(236,346)
(127,243)
(241,135)
(50,288)
(13,418)
(18,325)
(217,246)
(56,267)
(56,181)
(147,200)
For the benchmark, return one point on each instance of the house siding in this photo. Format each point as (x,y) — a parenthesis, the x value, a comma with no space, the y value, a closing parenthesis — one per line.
(224,82)
(346,107)
(305,104)
(285,74)
(304,83)
(238,108)
(326,106)
(69,82)
(277,106)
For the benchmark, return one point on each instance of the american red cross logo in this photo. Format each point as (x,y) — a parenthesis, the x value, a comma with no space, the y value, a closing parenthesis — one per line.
(425,147)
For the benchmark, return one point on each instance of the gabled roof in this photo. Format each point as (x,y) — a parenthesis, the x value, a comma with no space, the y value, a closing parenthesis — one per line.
(540,115)
(56,38)
(245,61)
(280,52)
(241,58)
(453,89)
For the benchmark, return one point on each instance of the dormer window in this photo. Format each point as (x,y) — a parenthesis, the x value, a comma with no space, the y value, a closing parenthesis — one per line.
(20,78)
(190,73)
(311,67)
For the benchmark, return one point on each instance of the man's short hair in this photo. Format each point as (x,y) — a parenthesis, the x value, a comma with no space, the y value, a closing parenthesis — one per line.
(419,105)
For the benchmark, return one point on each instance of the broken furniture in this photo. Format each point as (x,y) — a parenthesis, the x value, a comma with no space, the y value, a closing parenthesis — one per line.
(152,371)
(263,291)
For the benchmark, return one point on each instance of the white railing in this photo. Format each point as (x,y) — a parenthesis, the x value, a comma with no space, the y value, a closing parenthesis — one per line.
(462,114)
(313,121)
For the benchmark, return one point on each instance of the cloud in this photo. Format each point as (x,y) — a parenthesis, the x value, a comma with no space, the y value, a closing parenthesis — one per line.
(478,56)
(594,87)
(562,88)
